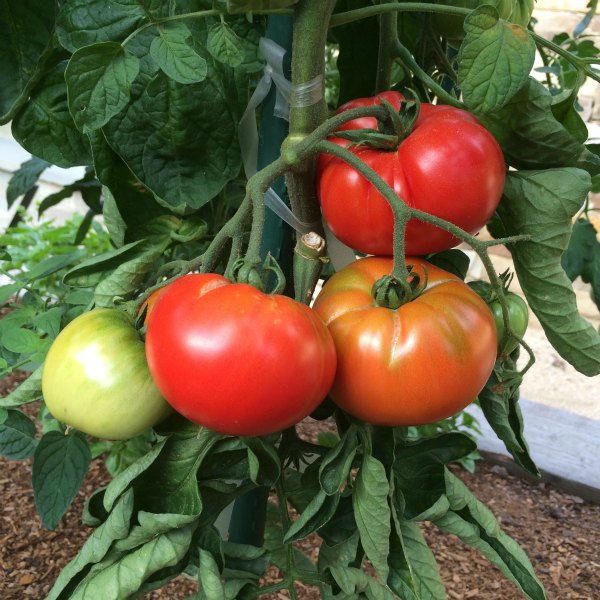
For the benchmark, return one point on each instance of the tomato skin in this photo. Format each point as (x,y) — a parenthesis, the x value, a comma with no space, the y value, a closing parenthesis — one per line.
(518,317)
(236,360)
(96,377)
(449,166)
(418,364)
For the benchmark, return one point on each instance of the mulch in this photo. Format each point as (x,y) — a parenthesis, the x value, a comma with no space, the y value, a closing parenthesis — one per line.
(560,532)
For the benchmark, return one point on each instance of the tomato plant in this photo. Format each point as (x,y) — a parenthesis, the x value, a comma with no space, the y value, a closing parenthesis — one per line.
(189,118)
(236,360)
(96,378)
(448,166)
(513,11)
(414,365)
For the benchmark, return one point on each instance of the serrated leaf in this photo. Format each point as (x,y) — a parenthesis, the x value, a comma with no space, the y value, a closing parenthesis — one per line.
(357,583)
(116,527)
(85,22)
(224,44)
(265,466)
(532,138)
(580,252)
(26,28)
(336,464)
(318,512)
(120,577)
(541,204)
(60,463)
(168,129)
(20,341)
(499,401)
(99,78)
(93,270)
(424,569)
(29,391)
(17,436)
(24,178)
(169,484)
(128,276)
(174,52)
(475,525)
(495,60)
(372,512)
(45,128)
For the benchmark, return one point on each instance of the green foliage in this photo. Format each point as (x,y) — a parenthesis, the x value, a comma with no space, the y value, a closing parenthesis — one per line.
(148,97)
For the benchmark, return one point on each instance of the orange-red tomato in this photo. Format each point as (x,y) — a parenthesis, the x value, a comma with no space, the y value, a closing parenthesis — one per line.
(420,363)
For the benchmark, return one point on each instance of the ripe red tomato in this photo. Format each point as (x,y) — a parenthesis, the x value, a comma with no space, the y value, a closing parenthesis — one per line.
(418,364)
(449,166)
(236,360)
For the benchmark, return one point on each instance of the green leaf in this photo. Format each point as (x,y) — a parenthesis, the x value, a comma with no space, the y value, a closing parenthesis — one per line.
(29,391)
(99,78)
(499,401)
(9,291)
(579,255)
(209,577)
(224,44)
(495,60)
(336,464)
(168,129)
(454,261)
(85,22)
(174,52)
(532,138)
(26,28)
(318,512)
(128,276)
(52,264)
(24,178)
(17,436)
(121,482)
(44,125)
(60,463)
(264,457)
(339,555)
(372,512)
(20,341)
(475,525)
(116,527)
(169,484)
(92,271)
(354,581)
(120,577)
(541,204)
(423,568)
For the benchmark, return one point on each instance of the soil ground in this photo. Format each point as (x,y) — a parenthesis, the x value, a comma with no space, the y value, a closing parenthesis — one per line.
(560,533)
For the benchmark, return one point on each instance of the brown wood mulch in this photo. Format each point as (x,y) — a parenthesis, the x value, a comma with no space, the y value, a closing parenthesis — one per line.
(560,533)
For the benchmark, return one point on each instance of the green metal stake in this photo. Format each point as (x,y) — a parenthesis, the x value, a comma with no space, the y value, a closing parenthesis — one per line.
(247,523)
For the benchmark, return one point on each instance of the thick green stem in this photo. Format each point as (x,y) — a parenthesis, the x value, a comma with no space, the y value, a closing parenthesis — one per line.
(311,21)
(407,58)
(394,7)
(388,35)
(402,212)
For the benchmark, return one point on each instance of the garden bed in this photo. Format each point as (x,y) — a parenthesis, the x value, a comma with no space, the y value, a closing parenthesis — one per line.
(560,533)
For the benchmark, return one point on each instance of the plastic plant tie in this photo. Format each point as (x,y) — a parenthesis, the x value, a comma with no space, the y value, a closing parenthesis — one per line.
(304,94)
(282,210)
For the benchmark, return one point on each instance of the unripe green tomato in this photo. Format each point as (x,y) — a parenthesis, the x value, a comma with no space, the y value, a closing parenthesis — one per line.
(96,377)
(518,317)
(451,27)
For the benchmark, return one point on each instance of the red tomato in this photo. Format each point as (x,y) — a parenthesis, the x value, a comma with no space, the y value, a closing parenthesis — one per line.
(418,364)
(449,166)
(236,360)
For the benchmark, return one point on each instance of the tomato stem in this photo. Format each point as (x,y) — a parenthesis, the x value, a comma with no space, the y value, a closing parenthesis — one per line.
(388,35)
